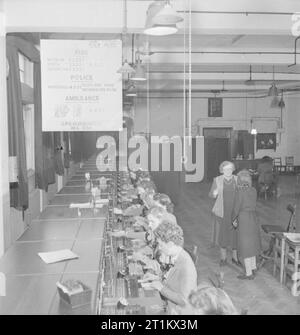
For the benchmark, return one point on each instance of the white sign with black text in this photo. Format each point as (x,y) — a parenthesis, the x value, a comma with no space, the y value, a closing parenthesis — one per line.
(81,89)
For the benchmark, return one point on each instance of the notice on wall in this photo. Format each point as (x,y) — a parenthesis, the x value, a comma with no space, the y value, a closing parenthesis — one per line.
(81,89)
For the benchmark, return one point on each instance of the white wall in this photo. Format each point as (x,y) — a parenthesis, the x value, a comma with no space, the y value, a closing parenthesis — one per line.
(166,117)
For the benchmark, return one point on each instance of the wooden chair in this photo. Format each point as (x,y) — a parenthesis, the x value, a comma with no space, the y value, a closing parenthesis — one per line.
(269,185)
(289,164)
(279,255)
(277,164)
(292,265)
(271,230)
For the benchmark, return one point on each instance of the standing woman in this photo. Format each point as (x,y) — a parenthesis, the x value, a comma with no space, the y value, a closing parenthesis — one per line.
(248,233)
(223,189)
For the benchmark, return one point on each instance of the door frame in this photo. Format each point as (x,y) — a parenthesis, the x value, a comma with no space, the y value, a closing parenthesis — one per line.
(205,146)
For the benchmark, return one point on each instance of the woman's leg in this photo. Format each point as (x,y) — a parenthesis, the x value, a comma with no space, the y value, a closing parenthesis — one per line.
(223,254)
(248,266)
(234,255)
(253,263)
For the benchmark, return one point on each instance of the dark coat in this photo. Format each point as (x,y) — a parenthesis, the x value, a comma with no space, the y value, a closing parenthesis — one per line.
(248,230)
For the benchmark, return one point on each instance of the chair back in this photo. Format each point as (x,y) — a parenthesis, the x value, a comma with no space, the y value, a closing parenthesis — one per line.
(292,209)
(277,161)
(289,161)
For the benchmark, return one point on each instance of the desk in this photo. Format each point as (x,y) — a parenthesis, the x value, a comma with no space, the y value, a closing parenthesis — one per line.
(51,230)
(32,294)
(74,190)
(22,258)
(31,283)
(67,199)
(64,212)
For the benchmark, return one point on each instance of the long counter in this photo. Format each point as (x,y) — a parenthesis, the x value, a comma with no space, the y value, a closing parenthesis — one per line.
(31,283)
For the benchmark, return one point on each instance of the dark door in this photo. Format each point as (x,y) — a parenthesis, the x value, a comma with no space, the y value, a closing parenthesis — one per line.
(216,151)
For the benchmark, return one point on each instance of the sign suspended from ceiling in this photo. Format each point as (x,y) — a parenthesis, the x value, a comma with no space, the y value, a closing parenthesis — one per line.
(81,89)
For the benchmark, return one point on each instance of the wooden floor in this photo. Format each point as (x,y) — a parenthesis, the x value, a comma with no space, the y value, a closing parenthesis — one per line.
(263,295)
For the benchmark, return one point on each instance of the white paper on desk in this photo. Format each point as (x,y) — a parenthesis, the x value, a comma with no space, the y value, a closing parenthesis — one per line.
(118,211)
(81,205)
(102,201)
(57,256)
(294,237)
(98,205)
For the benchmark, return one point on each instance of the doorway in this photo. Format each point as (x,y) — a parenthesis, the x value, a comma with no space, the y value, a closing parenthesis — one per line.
(216,149)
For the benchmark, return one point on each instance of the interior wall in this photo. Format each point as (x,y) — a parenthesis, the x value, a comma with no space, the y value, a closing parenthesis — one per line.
(4,185)
(166,118)
(38,200)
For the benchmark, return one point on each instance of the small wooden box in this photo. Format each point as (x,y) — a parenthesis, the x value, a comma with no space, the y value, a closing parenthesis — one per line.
(77,299)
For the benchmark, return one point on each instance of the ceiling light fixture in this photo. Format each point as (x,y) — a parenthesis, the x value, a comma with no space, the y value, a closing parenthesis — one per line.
(273,89)
(167,15)
(161,19)
(253,130)
(281,103)
(139,74)
(131,92)
(274,102)
(125,68)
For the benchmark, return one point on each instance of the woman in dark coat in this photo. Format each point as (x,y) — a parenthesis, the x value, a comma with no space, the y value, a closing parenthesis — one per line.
(248,232)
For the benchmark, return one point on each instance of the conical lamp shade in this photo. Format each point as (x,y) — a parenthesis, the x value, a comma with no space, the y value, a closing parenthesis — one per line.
(281,103)
(152,28)
(131,92)
(275,102)
(139,74)
(273,91)
(166,16)
(126,68)
(161,30)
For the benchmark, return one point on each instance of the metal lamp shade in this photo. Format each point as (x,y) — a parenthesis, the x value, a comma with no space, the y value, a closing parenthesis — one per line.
(167,16)
(273,91)
(281,103)
(126,68)
(152,28)
(139,74)
(131,92)
(161,30)
(275,102)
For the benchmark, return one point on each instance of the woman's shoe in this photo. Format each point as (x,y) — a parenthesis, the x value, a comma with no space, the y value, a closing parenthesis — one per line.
(223,262)
(237,263)
(243,276)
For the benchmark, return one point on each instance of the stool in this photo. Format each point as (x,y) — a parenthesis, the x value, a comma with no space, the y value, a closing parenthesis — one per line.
(279,255)
(291,265)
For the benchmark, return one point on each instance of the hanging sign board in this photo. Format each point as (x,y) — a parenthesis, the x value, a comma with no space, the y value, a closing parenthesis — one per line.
(81,89)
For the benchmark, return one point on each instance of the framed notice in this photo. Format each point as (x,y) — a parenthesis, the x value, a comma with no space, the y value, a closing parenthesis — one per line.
(215,107)
(81,89)
(266,141)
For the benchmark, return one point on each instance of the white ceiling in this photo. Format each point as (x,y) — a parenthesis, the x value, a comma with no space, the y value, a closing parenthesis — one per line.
(222,46)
